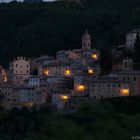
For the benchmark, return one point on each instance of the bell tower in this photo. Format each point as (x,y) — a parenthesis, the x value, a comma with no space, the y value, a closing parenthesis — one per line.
(86,41)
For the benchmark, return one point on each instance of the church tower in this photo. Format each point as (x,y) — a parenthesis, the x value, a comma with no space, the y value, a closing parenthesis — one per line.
(86,41)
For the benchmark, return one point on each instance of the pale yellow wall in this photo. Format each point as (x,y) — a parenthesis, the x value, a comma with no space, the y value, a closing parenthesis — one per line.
(21,66)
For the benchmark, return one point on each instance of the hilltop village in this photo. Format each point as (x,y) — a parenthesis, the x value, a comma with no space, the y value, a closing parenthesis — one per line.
(71,77)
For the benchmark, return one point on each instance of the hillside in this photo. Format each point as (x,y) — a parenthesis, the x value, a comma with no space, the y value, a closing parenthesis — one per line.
(44,28)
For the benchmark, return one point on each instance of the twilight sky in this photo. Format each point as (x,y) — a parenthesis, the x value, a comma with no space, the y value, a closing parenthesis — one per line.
(23,0)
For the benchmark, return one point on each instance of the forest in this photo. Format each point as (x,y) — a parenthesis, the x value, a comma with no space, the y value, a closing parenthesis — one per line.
(111,119)
(34,29)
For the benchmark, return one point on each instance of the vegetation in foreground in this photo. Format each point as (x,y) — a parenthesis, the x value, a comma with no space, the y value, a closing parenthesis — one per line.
(110,119)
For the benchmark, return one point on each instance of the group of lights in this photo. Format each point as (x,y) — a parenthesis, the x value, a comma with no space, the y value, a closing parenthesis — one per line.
(94,56)
(46,72)
(67,72)
(125,91)
(81,88)
(29,104)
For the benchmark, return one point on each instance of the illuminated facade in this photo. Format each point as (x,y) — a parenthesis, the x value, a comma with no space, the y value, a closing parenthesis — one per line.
(127,74)
(60,99)
(56,69)
(108,87)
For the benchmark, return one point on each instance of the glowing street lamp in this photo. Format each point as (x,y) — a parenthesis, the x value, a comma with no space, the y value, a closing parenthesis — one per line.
(94,56)
(90,71)
(65,97)
(67,72)
(125,91)
(81,88)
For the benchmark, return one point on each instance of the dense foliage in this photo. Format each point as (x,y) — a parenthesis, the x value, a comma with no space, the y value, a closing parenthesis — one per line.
(116,119)
(137,49)
(44,28)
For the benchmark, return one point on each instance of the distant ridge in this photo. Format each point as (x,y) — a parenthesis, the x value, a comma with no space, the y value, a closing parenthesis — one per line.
(27,1)
(44,28)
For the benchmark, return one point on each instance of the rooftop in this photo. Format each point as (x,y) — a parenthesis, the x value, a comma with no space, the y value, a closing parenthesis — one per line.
(107,79)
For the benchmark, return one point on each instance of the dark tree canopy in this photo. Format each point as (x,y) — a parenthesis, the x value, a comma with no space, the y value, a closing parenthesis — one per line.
(137,49)
(106,60)
(44,28)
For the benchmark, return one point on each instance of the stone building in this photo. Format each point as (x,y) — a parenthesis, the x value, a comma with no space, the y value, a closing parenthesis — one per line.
(86,41)
(57,68)
(9,96)
(129,75)
(60,99)
(19,70)
(3,75)
(19,96)
(108,87)
(86,53)
(34,81)
(39,61)
(131,38)
(20,66)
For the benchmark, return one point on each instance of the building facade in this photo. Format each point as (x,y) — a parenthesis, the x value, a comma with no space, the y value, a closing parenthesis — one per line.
(131,38)
(108,87)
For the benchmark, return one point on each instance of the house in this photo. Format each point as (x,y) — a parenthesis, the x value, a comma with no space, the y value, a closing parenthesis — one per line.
(129,75)
(19,96)
(131,38)
(53,69)
(60,99)
(86,53)
(3,75)
(108,87)
(34,81)
(19,70)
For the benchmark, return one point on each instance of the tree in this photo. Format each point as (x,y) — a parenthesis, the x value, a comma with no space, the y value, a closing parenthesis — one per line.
(1,99)
(137,49)
(106,61)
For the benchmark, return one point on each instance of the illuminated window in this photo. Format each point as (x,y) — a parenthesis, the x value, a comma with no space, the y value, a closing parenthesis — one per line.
(46,72)
(94,56)
(67,72)
(90,71)
(64,97)
(81,88)
(5,78)
(125,91)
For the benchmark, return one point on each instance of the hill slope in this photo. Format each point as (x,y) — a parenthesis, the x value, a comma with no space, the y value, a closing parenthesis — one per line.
(34,29)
